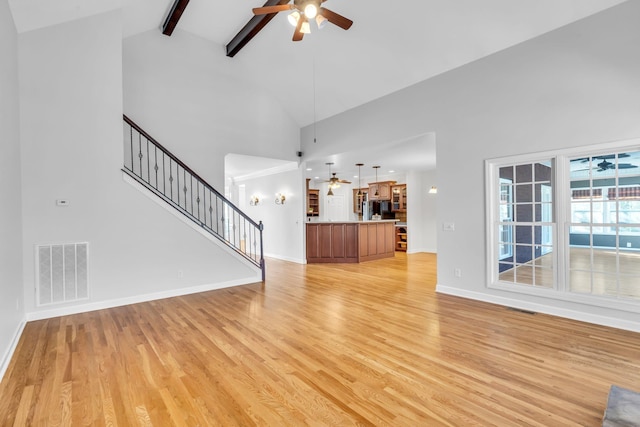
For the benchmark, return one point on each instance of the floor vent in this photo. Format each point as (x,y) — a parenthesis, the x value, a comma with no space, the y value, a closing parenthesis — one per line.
(62,273)
(521,310)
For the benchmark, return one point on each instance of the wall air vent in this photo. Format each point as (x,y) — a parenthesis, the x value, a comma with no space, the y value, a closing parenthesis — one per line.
(62,273)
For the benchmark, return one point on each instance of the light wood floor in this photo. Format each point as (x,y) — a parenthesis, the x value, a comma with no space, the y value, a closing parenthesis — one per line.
(357,344)
(597,272)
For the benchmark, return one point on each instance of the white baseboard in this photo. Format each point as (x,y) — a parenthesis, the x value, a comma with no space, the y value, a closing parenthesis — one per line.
(417,251)
(65,311)
(6,358)
(285,258)
(540,308)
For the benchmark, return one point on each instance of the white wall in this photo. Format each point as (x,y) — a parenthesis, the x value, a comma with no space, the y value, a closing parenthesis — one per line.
(421,212)
(71,133)
(578,85)
(283,224)
(185,93)
(11,284)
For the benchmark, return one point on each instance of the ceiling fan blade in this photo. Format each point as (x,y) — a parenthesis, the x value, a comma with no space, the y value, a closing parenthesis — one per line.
(297,34)
(271,9)
(626,166)
(336,19)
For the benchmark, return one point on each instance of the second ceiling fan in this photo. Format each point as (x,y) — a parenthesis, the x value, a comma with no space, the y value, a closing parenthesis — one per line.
(303,11)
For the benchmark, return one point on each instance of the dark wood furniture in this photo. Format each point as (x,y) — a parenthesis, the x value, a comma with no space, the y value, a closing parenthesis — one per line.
(349,242)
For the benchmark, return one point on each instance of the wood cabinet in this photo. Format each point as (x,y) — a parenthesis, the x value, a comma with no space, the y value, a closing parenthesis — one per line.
(350,242)
(332,243)
(313,201)
(357,199)
(401,238)
(383,189)
(399,198)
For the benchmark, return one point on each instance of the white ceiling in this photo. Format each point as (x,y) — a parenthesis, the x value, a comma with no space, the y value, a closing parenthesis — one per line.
(390,46)
(417,154)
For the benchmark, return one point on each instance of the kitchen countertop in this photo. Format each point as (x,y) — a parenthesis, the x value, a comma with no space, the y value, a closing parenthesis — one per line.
(353,222)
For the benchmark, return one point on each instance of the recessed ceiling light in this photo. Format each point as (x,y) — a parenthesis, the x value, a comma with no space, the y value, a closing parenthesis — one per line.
(391,171)
(309,169)
(316,177)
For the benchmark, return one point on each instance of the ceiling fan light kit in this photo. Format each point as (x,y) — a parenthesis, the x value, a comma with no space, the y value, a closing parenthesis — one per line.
(293,18)
(334,181)
(303,12)
(321,21)
(310,10)
(305,28)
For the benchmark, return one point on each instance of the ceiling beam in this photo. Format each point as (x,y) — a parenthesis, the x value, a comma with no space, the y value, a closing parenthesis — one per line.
(252,28)
(174,16)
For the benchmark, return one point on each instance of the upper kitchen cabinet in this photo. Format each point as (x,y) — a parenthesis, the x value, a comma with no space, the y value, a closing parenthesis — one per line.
(383,189)
(358,199)
(399,198)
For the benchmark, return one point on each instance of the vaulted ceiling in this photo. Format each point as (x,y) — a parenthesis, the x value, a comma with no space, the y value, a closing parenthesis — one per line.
(391,45)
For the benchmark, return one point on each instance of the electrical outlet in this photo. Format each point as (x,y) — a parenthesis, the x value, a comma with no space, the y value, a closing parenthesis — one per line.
(628,244)
(449,226)
(457,272)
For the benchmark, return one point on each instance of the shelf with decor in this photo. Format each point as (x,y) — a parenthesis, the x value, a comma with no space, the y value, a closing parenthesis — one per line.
(401,238)
(313,201)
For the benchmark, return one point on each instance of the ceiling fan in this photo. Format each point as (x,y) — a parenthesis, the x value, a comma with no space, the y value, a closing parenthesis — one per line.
(303,11)
(334,181)
(605,164)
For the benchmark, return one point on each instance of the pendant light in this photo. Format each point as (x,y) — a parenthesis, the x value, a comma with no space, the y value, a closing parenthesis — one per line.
(376,194)
(359,165)
(330,192)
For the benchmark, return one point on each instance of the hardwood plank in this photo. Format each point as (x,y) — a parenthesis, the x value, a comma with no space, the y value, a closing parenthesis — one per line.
(318,344)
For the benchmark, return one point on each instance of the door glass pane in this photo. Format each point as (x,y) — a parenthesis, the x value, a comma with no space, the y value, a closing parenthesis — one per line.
(524,275)
(524,193)
(506,173)
(544,277)
(580,281)
(524,213)
(524,173)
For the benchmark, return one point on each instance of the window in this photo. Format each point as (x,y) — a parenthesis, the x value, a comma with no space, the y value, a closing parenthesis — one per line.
(525,225)
(604,232)
(506,216)
(566,225)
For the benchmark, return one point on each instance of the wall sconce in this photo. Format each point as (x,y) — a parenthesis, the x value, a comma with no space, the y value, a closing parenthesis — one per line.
(255,200)
(433,190)
(280,199)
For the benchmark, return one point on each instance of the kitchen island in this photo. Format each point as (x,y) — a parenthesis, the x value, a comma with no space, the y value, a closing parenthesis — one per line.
(350,241)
